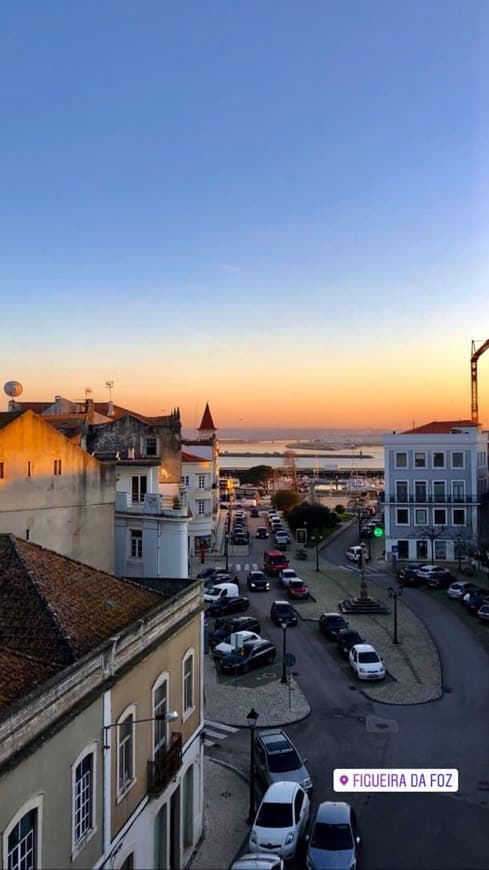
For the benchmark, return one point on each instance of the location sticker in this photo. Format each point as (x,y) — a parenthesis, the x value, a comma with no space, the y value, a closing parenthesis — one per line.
(398,779)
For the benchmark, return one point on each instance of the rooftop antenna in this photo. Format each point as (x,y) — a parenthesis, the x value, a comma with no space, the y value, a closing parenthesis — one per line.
(110,387)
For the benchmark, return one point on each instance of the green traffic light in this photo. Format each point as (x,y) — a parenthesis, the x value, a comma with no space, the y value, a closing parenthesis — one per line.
(378,532)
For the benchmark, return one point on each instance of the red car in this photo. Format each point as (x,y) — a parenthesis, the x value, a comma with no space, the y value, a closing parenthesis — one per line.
(297,589)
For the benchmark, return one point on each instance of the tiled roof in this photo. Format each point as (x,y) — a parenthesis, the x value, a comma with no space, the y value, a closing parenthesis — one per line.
(443,427)
(207,423)
(191,457)
(20,674)
(56,609)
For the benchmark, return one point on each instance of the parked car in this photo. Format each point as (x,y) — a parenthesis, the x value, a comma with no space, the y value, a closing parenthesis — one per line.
(460,588)
(240,540)
(254,512)
(281,820)
(252,655)
(226,625)
(476,600)
(236,640)
(282,611)
(226,606)
(334,840)
(408,574)
(281,541)
(347,638)
(297,589)
(483,613)
(257,581)
(331,623)
(258,861)
(262,532)
(277,759)
(210,571)
(366,662)
(285,575)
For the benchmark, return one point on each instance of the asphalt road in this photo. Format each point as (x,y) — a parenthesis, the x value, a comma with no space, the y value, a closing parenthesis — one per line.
(346,729)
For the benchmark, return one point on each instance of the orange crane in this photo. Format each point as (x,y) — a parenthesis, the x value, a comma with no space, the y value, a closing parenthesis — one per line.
(473,377)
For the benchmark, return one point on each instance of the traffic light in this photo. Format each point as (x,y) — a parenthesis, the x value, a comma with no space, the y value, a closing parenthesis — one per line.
(378,532)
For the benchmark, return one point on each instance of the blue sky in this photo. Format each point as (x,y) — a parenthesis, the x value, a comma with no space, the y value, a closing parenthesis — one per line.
(195,193)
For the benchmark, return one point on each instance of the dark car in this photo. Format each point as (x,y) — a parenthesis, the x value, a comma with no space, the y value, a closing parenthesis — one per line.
(240,539)
(262,532)
(254,512)
(477,599)
(228,605)
(440,579)
(408,574)
(225,626)
(257,581)
(282,611)
(331,623)
(347,638)
(252,655)
(297,589)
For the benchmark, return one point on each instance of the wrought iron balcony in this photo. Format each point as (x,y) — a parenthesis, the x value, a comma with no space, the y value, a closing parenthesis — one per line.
(167,763)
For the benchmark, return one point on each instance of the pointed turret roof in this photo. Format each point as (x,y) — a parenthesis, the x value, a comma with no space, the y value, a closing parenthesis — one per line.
(207,423)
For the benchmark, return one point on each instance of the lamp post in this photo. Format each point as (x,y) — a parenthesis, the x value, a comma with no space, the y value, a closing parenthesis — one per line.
(251,720)
(459,553)
(283,626)
(395,594)
(317,541)
(226,550)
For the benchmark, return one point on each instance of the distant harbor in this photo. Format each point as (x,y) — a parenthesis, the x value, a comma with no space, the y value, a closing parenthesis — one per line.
(299,455)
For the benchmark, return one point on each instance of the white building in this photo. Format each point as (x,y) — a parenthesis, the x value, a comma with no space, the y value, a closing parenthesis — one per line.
(436,490)
(200,483)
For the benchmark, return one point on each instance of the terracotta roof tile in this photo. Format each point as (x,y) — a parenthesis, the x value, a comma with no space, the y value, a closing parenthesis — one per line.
(191,457)
(20,674)
(443,427)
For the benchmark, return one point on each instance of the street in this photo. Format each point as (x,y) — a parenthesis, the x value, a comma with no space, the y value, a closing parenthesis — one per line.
(346,729)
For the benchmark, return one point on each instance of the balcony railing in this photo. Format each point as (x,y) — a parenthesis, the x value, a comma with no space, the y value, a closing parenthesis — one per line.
(447,499)
(165,767)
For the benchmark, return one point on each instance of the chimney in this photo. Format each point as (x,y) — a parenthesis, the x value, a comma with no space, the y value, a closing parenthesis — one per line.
(110,409)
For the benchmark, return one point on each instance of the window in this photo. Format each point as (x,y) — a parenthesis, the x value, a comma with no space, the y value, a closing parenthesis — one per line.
(22,838)
(440,517)
(151,447)
(188,683)
(421,517)
(160,707)
(402,517)
(438,460)
(440,549)
(401,460)
(439,490)
(420,490)
(420,460)
(458,490)
(401,490)
(29,468)
(185,480)
(2,470)
(458,517)
(136,544)
(138,487)
(457,460)
(83,796)
(201,480)
(57,467)
(188,807)
(201,508)
(125,751)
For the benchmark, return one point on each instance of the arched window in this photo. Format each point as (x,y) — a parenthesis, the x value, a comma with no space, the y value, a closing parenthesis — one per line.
(160,694)
(188,683)
(126,751)
(22,838)
(83,778)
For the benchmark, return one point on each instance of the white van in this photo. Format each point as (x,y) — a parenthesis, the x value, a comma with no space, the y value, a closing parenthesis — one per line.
(354,553)
(220,591)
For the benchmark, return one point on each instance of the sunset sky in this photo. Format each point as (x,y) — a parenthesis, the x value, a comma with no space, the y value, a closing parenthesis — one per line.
(281,208)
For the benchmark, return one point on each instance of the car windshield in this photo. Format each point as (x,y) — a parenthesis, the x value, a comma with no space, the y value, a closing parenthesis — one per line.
(368,657)
(283,610)
(332,837)
(273,815)
(287,760)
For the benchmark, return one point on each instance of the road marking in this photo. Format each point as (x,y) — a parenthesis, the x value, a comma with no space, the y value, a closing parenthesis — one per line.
(221,725)
(223,732)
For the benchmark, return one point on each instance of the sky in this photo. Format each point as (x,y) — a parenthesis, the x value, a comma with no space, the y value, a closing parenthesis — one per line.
(280,208)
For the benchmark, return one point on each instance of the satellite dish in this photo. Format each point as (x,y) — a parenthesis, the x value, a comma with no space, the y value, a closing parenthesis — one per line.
(13,388)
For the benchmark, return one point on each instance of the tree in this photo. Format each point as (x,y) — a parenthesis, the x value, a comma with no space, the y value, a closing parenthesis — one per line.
(313,517)
(285,500)
(340,509)
(432,533)
(257,475)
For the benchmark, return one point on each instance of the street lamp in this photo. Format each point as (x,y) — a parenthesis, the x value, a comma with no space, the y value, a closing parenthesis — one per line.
(317,541)
(283,626)
(459,553)
(251,720)
(226,551)
(395,594)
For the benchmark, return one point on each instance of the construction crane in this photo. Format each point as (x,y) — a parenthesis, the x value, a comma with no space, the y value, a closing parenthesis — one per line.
(473,377)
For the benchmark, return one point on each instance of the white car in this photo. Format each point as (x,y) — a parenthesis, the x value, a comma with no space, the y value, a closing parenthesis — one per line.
(366,662)
(460,588)
(281,820)
(287,574)
(236,640)
(353,554)
(258,861)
